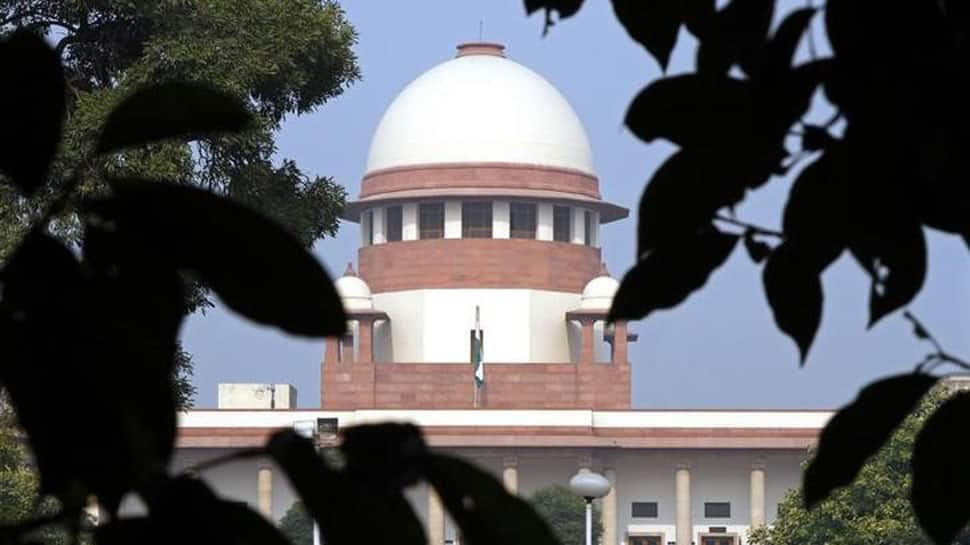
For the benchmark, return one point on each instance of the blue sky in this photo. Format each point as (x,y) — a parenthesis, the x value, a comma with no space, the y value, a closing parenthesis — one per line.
(719,349)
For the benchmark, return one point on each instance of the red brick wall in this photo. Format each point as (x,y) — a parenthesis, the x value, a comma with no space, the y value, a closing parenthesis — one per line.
(348,386)
(479,176)
(478,263)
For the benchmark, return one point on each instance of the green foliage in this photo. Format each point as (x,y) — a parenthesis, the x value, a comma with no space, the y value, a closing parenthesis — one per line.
(873,510)
(566,514)
(297,525)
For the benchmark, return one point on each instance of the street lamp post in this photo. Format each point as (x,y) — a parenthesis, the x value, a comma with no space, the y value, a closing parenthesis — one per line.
(589,486)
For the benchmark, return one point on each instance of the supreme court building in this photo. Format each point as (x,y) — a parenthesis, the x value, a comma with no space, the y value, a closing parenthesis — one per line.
(480,194)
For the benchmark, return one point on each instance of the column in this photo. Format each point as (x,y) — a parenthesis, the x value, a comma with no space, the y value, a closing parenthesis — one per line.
(436,519)
(510,474)
(684,523)
(452,219)
(609,509)
(377,224)
(365,340)
(579,226)
(500,219)
(544,221)
(586,353)
(409,220)
(264,491)
(757,494)
(620,344)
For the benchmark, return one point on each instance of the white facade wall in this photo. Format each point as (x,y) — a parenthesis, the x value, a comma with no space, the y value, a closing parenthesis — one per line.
(641,475)
(452,219)
(500,219)
(432,325)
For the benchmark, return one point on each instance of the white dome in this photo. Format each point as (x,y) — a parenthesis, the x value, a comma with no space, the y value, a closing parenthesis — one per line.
(480,108)
(598,293)
(354,293)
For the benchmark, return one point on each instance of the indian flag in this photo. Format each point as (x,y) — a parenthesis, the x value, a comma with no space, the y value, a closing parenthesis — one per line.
(478,351)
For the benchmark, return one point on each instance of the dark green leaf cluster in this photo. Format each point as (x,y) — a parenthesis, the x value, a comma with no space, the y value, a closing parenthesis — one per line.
(889,163)
(564,511)
(95,328)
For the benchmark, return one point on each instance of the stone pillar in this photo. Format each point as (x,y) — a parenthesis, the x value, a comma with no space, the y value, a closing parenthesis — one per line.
(264,491)
(510,474)
(609,510)
(684,522)
(365,340)
(586,352)
(757,494)
(436,519)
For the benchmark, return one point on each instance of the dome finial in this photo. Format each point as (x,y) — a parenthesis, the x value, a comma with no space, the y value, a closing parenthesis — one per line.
(480,48)
(349,271)
(603,270)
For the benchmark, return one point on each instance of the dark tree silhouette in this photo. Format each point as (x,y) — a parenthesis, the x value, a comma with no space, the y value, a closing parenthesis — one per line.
(890,163)
(96,329)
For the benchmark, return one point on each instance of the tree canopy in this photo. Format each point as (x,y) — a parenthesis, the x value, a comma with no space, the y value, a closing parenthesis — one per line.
(874,509)
(565,512)
(297,525)
(280,57)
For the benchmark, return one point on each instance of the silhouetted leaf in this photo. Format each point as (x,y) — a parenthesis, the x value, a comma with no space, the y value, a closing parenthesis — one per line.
(940,471)
(186,511)
(691,185)
(111,356)
(736,35)
(758,251)
(384,455)
(896,262)
(171,110)
(255,266)
(482,508)
(565,8)
(666,276)
(340,504)
(794,293)
(779,52)
(816,215)
(652,23)
(33,96)
(43,294)
(693,111)
(858,430)
(815,138)
(699,16)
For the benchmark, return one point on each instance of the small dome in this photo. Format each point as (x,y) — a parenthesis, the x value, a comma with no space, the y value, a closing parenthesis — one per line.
(598,293)
(480,107)
(354,292)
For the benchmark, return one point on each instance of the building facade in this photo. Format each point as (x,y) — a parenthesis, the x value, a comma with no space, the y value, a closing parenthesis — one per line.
(480,211)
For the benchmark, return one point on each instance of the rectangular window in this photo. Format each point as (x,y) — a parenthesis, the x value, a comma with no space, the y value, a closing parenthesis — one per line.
(588,228)
(431,220)
(644,540)
(562,222)
(645,509)
(393,223)
(476,219)
(522,220)
(717,510)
